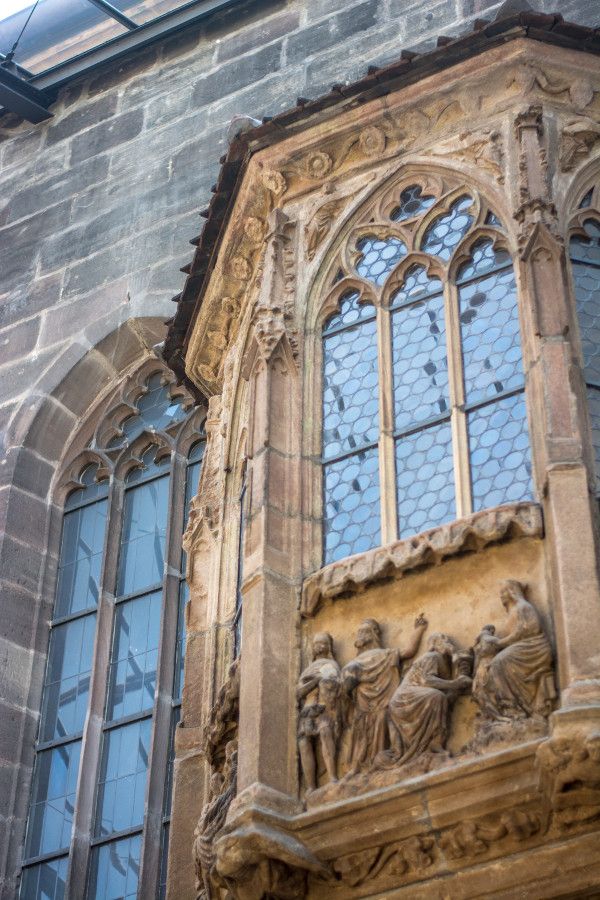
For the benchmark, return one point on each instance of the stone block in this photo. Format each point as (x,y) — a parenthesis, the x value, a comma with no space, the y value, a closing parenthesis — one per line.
(114,74)
(30,297)
(51,429)
(265,31)
(18,340)
(53,190)
(167,107)
(18,378)
(435,20)
(15,664)
(83,117)
(20,148)
(86,380)
(237,74)
(21,566)
(331,32)
(110,134)
(24,516)
(31,472)
(268,98)
(20,242)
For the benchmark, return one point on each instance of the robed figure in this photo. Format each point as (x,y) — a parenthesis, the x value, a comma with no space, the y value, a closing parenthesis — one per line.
(370,681)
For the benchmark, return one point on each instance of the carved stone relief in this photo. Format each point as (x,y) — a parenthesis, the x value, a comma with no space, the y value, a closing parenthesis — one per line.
(570,776)
(578,139)
(473,838)
(414,855)
(397,721)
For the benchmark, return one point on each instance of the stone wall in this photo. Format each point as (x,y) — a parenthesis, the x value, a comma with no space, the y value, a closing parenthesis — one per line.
(96,209)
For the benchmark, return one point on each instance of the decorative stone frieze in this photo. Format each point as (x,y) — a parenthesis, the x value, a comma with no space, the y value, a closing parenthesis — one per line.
(355,573)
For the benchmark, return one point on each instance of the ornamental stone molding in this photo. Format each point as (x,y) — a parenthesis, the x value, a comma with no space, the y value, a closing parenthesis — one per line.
(353,575)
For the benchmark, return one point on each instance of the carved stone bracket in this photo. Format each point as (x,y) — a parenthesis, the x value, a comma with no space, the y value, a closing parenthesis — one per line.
(578,139)
(471,534)
(569,768)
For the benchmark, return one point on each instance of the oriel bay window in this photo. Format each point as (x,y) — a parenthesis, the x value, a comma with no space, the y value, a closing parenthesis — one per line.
(112,690)
(424,416)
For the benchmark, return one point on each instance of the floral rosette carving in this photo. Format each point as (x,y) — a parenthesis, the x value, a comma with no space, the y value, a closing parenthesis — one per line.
(240,268)
(371,141)
(274,182)
(254,230)
(318,164)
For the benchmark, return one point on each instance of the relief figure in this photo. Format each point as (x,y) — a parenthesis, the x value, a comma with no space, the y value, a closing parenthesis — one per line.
(370,681)
(419,709)
(513,678)
(319,696)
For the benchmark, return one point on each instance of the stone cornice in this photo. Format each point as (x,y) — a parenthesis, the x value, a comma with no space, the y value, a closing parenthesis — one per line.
(471,534)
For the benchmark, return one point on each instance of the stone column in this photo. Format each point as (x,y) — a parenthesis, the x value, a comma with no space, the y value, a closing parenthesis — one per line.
(271,576)
(560,430)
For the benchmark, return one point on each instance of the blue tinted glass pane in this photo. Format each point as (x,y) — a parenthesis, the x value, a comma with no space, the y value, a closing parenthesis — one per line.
(180,649)
(492,219)
(350,312)
(587,199)
(80,559)
(491,343)
(587,249)
(68,678)
(416,284)
(92,490)
(164,857)
(197,451)
(134,657)
(151,466)
(45,881)
(115,869)
(425,479)
(594,408)
(587,294)
(350,395)
(141,562)
(378,257)
(412,203)
(419,360)
(175,717)
(351,521)
(499,453)
(191,487)
(447,230)
(483,259)
(123,777)
(53,799)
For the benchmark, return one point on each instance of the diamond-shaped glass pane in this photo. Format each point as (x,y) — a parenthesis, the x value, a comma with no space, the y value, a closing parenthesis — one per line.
(491,342)
(378,257)
(412,203)
(587,294)
(483,259)
(425,479)
(156,410)
(499,453)
(350,311)
(447,230)
(351,521)
(350,394)
(419,359)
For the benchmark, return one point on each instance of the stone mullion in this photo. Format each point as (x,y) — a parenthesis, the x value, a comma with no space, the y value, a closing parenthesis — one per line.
(559,422)
(161,723)
(91,748)
(458,419)
(387,468)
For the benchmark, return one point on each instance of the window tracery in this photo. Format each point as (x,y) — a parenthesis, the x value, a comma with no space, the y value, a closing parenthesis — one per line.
(423,383)
(116,646)
(584,251)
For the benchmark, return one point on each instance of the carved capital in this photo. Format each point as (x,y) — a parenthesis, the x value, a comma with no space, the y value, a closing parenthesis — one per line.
(578,139)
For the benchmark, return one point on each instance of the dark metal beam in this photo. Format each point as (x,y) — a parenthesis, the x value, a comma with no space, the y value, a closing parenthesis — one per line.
(114,13)
(23,98)
(142,36)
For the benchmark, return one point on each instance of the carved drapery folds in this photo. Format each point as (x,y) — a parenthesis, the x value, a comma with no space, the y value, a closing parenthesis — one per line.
(398,716)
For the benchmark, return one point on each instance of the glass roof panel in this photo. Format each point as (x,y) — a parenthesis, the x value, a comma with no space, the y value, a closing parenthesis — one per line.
(57,30)
(142,11)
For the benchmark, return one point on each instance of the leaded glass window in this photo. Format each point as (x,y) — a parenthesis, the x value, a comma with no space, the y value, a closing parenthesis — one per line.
(585,265)
(423,383)
(114,676)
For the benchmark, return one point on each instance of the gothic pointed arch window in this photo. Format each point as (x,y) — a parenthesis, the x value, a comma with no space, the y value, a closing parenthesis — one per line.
(100,805)
(424,416)
(584,252)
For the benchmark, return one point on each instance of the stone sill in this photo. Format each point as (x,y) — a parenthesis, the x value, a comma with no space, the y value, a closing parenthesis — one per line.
(354,574)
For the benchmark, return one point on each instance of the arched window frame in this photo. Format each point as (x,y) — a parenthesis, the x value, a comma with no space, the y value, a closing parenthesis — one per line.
(584,208)
(338,276)
(180,445)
